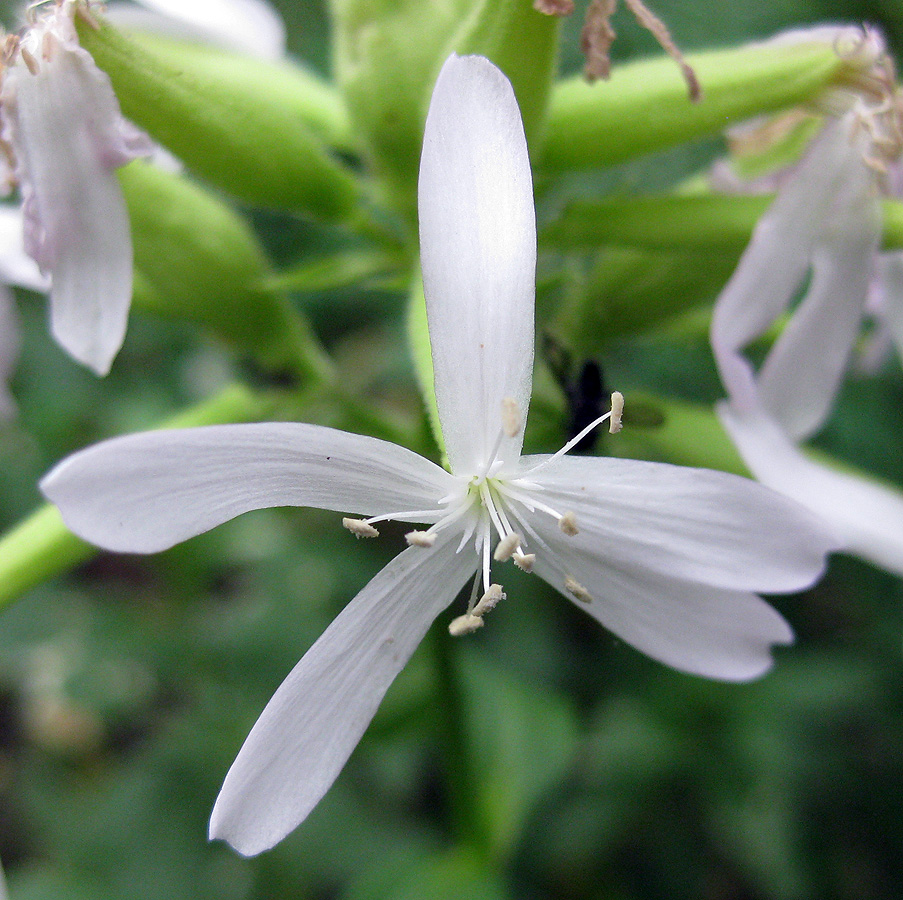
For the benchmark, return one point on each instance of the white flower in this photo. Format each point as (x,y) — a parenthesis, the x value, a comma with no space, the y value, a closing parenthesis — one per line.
(668,558)
(61,121)
(825,226)
(249,26)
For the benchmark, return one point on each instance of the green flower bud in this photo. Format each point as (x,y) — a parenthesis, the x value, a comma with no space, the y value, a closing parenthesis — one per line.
(238,131)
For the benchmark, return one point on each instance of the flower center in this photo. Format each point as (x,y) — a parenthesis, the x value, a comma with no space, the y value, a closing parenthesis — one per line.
(493,507)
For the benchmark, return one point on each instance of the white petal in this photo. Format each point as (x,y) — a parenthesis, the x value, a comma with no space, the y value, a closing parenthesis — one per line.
(867,517)
(802,372)
(693,524)
(693,627)
(146,492)
(775,263)
(478,251)
(16,266)
(308,730)
(250,26)
(68,136)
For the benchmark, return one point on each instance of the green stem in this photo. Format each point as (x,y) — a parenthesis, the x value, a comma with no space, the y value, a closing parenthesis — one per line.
(461,772)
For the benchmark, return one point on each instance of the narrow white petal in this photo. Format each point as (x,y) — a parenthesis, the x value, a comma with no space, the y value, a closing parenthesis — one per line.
(308,730)
(693,524)
(250,26)
(696,628)
(146,492)
(68,136)
(478,251)
(802,372)
(16,266)
(867,517)
(777,259)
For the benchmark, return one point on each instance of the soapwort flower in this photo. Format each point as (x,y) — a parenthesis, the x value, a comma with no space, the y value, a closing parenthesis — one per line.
(64,135)
(819,238)
(666,557)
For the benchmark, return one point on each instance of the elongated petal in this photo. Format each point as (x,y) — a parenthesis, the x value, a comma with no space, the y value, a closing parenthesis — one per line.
(146,492)
(478,251)
(867,517)
(308,730)
(777,259)
(251,26)
(694,524)
(62,119)
(802,372)
(693,627)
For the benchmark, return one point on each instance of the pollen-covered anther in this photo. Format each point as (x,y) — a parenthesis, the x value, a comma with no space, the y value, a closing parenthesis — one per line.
(617,410)
(360,528)
(506,546)
(466,624)
(489,600)
(525,561)
(577,590)
(512,420)
(49,45)
(568,524)
(420,539)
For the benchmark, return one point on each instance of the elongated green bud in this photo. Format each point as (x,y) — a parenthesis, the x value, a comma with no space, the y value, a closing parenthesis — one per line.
(644,107)
(234,132)
(197,259)
(699,222)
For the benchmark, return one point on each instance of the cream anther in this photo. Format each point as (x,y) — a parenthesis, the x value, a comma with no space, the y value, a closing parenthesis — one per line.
(420,539)
(506,547)
(577,590)
(512,421)
(488,600)
(617,410)
(568,524)
(466,624)
(360,528)
(524,561)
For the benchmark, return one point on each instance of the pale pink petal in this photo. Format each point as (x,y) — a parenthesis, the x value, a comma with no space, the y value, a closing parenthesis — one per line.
(778,257)
(16,266)
(145,492)
(692,524)
(803,370)
(64,125)
(309,729)
(867,517)
(478,251)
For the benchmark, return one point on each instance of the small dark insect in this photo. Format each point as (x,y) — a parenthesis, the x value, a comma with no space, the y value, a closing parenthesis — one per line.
(583,387)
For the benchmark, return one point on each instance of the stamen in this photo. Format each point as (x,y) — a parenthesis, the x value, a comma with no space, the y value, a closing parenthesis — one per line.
(489,600)
(466,624)
(524,561)
(49,44)
(360,528)
(506,547)
(512,421)
(568,524)
(617,410)
(420,538)
(577,590)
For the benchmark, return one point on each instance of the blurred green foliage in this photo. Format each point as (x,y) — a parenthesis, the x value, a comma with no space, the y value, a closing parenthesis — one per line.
(127,687)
